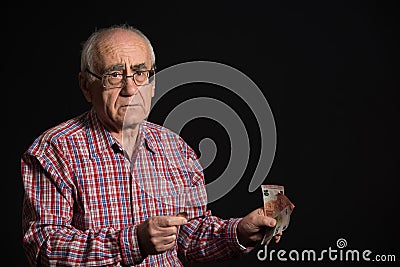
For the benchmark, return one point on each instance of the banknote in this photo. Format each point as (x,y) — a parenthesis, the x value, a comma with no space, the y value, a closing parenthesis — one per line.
(277,206)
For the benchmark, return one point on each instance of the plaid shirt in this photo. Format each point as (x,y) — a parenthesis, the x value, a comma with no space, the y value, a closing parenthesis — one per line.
(84,198)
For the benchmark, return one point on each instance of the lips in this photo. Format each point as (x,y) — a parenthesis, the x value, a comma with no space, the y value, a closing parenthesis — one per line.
(130,105)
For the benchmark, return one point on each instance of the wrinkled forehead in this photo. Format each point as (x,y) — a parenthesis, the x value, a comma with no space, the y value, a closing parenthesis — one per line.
(122,48)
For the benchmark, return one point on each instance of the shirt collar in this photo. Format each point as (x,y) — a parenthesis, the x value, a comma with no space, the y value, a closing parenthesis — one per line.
(100,139)
(149,141)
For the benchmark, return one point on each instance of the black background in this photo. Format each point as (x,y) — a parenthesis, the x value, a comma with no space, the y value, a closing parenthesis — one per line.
(330,73)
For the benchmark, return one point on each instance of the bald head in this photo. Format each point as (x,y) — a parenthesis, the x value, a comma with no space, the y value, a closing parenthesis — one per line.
(107,39)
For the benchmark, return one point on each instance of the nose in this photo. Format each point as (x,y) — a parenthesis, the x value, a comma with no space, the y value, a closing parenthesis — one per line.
(130,87)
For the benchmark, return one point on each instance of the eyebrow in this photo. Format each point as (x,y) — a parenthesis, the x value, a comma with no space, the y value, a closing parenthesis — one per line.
(122,67)
(139,66)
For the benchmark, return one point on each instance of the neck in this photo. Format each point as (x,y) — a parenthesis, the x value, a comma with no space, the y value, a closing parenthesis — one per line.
(129,138)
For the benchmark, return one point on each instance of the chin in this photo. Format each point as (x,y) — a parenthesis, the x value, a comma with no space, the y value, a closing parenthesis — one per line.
(133,120)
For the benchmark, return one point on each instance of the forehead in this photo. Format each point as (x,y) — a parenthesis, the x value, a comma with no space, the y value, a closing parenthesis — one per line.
(122,47)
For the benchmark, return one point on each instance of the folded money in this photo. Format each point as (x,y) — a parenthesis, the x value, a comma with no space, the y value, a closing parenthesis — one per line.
(277,206)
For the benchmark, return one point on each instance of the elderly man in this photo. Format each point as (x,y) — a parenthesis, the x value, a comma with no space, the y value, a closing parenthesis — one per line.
(105,188)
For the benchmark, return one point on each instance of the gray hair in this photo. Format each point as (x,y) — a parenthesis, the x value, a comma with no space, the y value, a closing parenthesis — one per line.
(88,54)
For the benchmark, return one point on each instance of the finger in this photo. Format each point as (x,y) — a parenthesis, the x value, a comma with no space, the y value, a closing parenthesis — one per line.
(164,240)
(168,231)
(170,239)
(164,244)
(167,221)
(277,238)
(257,237)
(165,247)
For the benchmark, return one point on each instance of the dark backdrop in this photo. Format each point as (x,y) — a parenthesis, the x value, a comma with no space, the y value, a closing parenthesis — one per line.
(330,73)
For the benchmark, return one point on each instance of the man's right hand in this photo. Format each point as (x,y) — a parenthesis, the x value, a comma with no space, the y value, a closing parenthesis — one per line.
(158,234)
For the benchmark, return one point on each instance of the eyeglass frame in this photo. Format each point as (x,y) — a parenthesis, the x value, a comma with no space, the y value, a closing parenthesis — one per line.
(151,72)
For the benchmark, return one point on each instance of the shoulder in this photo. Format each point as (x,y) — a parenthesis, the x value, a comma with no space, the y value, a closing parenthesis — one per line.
(56,136)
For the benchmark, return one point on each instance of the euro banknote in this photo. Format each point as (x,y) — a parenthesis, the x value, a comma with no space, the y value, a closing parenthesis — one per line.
(278,206)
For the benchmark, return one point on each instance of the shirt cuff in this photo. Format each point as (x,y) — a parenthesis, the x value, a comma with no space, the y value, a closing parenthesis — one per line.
(233,241)
(130,246)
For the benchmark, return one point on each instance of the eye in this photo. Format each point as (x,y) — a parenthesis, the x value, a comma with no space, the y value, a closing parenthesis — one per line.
(140,73)
(114,74)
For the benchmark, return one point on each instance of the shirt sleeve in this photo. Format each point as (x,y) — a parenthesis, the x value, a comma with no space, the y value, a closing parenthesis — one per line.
(210,239)
(207,238)
(49,236)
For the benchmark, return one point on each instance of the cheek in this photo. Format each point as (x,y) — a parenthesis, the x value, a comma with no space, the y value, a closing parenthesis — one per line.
(110,98)
(144,96)
(148,97)
(105,101)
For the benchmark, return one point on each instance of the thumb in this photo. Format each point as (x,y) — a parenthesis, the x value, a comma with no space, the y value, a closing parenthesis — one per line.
(267,221)
(167,221)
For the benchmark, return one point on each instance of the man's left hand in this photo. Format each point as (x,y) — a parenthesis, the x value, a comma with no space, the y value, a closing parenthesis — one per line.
(252,227)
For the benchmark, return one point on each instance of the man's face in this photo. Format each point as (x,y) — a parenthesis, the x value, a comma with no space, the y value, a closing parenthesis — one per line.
(123,52)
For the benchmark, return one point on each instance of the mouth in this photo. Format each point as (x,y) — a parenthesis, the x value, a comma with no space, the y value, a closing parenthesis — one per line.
(130,105)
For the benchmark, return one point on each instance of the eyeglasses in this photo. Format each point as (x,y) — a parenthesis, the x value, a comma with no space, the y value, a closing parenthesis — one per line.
(117,79)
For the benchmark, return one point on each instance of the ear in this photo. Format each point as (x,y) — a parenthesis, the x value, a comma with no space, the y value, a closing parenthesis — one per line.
(153,88)
(83,84)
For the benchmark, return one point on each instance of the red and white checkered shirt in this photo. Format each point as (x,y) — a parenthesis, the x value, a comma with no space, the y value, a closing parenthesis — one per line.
(84,198)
